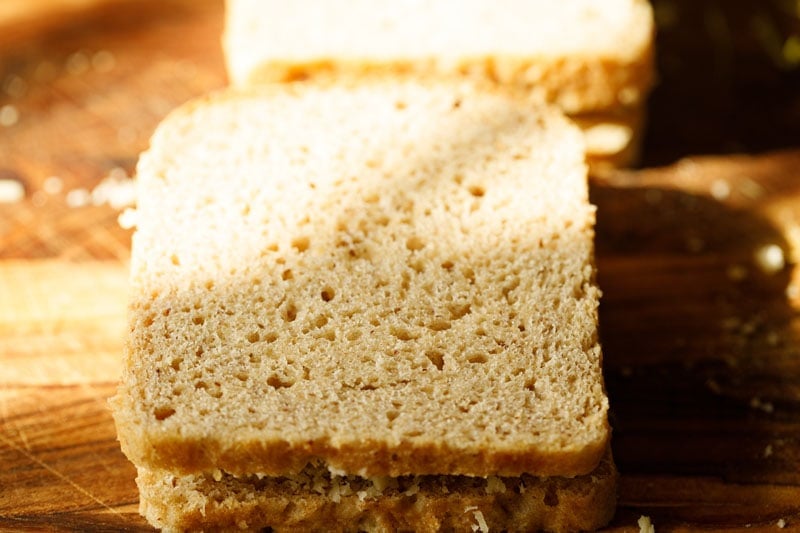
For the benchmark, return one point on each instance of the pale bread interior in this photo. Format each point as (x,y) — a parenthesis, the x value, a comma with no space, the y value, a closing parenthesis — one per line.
(389,279)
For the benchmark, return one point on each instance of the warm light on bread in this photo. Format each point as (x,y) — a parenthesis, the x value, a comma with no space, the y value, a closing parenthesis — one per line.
(387,279)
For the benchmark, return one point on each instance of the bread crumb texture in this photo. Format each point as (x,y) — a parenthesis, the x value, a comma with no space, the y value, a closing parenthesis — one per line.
(645,525)
(391,279)
(316,500)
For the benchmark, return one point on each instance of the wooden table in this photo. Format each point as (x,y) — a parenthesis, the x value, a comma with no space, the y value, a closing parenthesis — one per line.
(699,318)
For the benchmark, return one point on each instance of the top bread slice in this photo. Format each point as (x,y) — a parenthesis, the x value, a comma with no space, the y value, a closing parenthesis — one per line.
(387,279)
(583,55)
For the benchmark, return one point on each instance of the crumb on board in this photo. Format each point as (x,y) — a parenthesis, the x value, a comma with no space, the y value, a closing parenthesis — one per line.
(53,185)
(768,450)
(770,259)
(720,189)
(79,197)
(9,115)
(77,63)
(751,189)
(103,61)
(15,87)
(646,525)
(781,523)
(11,191)
(758,403)
(127,219)
(792,291)
(117,189)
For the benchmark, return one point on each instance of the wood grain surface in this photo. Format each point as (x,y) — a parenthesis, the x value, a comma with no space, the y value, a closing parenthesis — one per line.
(697,253)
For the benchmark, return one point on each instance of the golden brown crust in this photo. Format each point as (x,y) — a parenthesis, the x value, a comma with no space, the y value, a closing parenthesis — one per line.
(366,457)
(573,83)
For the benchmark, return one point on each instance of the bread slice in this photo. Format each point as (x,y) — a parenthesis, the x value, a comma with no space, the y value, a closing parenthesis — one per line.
(318,501)
(586,56)
(387,279)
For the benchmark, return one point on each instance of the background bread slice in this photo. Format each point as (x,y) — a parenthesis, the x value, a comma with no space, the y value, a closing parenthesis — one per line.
(594,61)
(315,502)
(584,55)
(392,278)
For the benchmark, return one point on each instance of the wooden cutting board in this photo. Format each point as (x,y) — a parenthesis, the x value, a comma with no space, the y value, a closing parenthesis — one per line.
(696,259)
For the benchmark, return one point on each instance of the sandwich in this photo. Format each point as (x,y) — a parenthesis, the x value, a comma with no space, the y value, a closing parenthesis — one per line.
(366,308)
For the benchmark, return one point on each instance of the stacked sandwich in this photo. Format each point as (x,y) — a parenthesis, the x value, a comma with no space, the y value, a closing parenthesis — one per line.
(366,304)
(594,60)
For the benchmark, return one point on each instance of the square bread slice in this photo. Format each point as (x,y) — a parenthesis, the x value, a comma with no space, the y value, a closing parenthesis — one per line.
(315,500)
(583,55)
(387,279)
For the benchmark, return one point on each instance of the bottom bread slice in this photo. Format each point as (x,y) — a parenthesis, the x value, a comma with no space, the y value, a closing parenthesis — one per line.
(316,500)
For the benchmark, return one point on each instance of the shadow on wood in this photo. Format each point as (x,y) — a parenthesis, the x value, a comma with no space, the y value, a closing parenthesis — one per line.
(699,341)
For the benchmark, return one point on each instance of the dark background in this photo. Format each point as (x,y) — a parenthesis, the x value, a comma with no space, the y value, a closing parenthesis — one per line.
(729,78)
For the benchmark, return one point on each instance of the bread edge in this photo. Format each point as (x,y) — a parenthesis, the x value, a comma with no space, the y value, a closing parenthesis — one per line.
(577,83)
(551,504)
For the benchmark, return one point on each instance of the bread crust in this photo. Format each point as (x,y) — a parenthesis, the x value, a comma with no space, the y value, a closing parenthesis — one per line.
(188,503)
(572,83)
(366,457)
